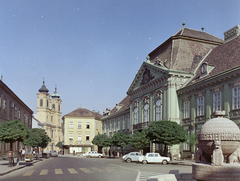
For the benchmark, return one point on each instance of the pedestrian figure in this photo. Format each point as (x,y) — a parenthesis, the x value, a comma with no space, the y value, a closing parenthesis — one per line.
(113,154)
(23,154)
(109,152)
(73,152)
(20,153)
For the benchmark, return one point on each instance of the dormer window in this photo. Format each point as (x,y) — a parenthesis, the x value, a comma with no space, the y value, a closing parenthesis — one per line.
(205,69)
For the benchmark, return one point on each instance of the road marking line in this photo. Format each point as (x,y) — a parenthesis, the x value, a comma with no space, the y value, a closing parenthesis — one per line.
(138,176)
(97,169)
(85,170)
(58,171)
(72,170)
(44,172)
(29,173)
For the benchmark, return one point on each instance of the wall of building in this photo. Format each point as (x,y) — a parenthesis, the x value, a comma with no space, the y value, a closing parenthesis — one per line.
(79,133)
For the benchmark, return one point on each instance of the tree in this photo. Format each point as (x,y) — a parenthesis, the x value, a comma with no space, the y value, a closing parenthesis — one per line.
(120,139)
(37,138)
(166,132)
(59,145)
(100,140)
(32,139)
(139,140)
(12,131)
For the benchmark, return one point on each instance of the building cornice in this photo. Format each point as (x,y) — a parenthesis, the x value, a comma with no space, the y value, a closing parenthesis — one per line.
(212,80)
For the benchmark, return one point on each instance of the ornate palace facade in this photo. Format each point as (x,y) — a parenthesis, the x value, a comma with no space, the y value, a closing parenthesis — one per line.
(186,79)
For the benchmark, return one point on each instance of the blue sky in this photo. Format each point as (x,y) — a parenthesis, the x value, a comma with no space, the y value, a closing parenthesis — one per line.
(92,49)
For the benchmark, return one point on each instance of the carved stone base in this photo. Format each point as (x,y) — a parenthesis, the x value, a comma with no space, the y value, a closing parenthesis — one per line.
(208,172)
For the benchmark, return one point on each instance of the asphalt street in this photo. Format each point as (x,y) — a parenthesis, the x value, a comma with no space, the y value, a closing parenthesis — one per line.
(90,169)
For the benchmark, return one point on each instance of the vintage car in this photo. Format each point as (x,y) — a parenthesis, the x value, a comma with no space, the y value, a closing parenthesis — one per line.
(153,158)
(91,154)
(131,157)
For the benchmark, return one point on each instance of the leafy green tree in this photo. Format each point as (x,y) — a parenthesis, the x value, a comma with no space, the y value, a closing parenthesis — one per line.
(100,141)
(120,139)
(12,131)
(32,139)
(59,145)
(45,138)
(166,132)
(139,140)
(108,142)
(37,138)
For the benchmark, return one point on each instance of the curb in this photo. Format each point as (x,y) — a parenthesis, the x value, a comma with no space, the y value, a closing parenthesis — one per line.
(1,174)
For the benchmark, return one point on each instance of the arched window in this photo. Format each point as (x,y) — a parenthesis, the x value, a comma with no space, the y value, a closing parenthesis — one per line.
(136,115)
(47,103)
(58,107)
(41,102)
(158,110)
(146,113)
(53,106)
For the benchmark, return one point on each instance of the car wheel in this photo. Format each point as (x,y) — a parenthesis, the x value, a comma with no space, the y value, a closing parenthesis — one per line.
(99,156)
(164,162)
(129,160)
(144,161)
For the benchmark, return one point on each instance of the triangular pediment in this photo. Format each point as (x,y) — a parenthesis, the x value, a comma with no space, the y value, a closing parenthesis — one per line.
(146,74)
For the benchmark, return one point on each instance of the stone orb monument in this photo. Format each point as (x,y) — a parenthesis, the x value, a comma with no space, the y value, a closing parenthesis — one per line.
(218,155)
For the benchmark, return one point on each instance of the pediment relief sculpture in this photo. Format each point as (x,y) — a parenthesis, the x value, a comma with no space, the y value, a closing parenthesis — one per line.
(146,76)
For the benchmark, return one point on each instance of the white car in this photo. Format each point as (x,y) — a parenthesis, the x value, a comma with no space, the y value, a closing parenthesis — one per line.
(91,154)
(53,153)
(132,156)
(153,158)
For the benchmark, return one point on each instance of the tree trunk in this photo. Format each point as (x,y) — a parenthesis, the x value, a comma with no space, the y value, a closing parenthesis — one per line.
(165,150)
(11,146)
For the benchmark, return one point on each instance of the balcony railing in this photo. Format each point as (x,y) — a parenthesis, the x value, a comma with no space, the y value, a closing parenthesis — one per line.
(140,126)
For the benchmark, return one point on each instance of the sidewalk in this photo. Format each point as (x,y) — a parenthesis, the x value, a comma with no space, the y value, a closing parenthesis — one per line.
(5,169)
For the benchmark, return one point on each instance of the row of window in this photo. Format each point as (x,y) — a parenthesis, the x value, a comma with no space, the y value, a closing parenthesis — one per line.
(14,112)
(79,125)
(113,125)
(79,137)
(146,112)
(217,102)
(53,105)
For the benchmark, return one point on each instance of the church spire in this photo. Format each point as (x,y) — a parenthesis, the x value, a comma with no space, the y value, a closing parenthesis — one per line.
(43,88)
(55,95)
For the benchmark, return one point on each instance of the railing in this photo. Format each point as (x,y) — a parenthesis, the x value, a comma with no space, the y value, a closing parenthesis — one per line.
(140,126)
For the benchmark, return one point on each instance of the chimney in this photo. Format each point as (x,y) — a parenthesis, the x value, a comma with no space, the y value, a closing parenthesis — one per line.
(232,33)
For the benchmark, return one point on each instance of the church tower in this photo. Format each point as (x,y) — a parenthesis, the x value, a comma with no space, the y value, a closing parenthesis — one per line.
(49,113)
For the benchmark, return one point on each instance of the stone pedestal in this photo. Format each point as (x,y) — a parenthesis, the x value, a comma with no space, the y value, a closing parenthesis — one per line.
(208,172)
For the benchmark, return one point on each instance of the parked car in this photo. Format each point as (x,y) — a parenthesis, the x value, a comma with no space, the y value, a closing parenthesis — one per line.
(53,153)
(91,154)
(153,158)
(131,157)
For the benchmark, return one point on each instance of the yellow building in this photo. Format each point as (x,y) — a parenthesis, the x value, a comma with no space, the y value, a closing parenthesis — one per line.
(49,113)
(80,127)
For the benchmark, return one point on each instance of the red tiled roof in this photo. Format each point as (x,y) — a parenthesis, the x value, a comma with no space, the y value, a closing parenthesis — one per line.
(187,32)
(125,103)
(82,112)
(222,58)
